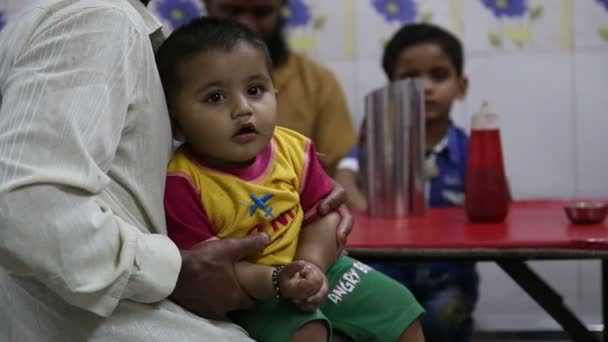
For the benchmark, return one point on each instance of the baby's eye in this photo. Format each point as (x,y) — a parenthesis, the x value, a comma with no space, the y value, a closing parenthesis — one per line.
(440,74)
(215,98)
(256,90)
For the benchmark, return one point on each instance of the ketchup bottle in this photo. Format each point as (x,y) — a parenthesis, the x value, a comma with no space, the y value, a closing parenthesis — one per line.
(487,193)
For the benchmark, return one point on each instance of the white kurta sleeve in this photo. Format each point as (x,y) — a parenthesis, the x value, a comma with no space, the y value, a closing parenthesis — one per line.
(63,109)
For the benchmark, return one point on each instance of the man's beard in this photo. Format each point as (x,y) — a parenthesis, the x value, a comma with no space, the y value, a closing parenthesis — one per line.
(277,46)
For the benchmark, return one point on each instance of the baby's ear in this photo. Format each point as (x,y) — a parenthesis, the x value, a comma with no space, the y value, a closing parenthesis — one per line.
(463,87)
(178,134)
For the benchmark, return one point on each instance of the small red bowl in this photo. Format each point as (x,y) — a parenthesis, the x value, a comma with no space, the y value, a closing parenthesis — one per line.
(586,212)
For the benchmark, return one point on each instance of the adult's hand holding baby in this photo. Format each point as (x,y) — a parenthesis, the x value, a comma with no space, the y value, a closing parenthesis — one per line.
(207,284)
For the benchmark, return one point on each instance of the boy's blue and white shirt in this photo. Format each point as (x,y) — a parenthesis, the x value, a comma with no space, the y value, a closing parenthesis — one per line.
(445,168)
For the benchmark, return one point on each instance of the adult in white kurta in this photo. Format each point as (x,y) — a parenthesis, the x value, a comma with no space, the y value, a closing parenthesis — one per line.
(84,143)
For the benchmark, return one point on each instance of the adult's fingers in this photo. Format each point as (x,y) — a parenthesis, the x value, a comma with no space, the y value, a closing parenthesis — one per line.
(319,296)
(314,302)
(345,227)
(333,201)
(238,249)
(290,270)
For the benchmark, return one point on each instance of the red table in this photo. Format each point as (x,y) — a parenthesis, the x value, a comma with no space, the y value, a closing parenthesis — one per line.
(533,230)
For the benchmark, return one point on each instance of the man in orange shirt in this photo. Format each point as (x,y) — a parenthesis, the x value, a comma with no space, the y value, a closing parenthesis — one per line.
(310,100)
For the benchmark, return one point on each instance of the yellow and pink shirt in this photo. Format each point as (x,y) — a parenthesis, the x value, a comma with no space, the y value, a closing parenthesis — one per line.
(277,194)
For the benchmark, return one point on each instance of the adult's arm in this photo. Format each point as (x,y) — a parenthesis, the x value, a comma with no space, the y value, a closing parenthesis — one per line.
(335,201)
(317,242)
(334,134)
(346,175)
(64,107)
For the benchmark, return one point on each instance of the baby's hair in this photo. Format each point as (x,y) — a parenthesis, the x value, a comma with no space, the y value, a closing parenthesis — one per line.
(416,34)
(201,35)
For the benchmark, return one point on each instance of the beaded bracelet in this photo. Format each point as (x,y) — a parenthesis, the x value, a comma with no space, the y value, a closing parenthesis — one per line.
(275,281)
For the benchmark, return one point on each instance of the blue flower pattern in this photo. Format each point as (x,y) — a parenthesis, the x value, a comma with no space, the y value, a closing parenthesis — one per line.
(507,8)
(297,14)
(2,20)
(603,3)
(177,12)
(401,11)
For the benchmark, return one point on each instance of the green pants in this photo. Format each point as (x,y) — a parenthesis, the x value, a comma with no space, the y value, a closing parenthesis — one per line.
(362,303)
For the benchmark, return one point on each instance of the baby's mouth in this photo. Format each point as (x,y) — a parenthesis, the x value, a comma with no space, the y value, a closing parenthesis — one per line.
(245,134)
(246,129)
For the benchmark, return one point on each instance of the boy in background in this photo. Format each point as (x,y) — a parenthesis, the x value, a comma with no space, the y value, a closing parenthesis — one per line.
(447,290)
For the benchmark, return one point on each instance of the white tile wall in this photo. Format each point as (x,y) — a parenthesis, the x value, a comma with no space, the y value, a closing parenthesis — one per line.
(328,39)
(540,33)
(591,122)
(371,30)
(532,93)
(505,306)
(589,17)
(590,291)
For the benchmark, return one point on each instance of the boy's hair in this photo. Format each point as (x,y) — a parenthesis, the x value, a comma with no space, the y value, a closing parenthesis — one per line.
(415,34)
(201,35)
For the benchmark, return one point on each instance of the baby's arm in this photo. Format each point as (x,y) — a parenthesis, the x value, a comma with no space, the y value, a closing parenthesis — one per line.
(255,279)
(296,281)
(317,242)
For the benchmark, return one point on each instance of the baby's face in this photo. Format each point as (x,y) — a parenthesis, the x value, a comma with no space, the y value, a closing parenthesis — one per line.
(226,107)
(442,83)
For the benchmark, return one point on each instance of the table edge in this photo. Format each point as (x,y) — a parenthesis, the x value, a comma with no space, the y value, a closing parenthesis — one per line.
(476,253)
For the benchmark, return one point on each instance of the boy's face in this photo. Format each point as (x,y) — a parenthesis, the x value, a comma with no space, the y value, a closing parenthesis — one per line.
(226,106)
(442,84)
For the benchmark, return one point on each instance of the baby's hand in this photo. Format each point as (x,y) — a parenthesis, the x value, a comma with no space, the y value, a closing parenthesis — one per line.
(304,283)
